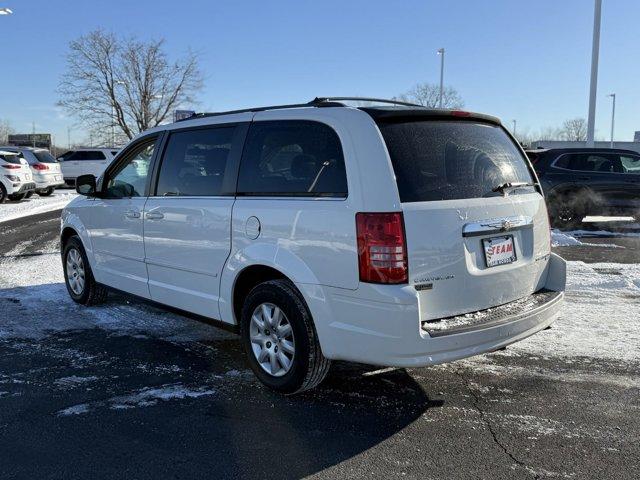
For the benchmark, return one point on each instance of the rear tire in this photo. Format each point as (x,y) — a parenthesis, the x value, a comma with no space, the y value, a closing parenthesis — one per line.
(78,278)
(3,194)
(287,331)
(29,194)
(46,192)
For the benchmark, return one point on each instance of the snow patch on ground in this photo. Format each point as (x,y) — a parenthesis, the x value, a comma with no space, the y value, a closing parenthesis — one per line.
(145,397)
(36,204)
(568,239)
(600,317)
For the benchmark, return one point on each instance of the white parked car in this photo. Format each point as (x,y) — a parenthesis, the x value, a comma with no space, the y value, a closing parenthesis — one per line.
(45,169)
(15,177)
(85,161)
(389,235)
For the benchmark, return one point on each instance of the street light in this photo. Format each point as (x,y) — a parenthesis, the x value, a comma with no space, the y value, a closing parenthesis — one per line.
(595,50)
(441,53)
(514,127)
(5,11)
(613,114)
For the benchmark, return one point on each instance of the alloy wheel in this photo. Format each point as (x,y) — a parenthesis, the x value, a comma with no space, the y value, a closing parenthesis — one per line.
(272,340)
(75,271)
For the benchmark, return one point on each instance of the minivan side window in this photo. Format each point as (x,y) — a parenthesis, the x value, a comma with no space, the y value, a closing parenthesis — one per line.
(195,162)
(129,179)
(86,155)
(292,158)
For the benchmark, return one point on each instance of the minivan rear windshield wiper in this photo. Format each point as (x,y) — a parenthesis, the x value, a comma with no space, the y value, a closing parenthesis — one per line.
(504,188)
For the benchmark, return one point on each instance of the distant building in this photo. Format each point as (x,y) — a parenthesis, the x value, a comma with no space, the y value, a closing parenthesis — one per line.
(635,145)
(636,136)
(40,140)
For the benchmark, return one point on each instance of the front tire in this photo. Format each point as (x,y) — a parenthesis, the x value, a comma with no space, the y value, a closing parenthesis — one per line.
(78,278)
(46,192)
(280,339)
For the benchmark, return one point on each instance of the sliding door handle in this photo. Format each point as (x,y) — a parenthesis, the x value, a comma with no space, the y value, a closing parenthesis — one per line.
(154,216)
(132,214)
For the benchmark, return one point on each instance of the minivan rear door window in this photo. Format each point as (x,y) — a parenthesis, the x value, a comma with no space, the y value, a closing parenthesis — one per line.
(292,158)
(454,159)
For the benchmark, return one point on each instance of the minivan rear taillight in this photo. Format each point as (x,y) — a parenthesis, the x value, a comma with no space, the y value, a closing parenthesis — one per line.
(382,247)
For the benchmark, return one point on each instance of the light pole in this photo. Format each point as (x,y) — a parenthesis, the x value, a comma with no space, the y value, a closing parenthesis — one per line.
(441,53)
(613,114)
(514,127)
(595,50)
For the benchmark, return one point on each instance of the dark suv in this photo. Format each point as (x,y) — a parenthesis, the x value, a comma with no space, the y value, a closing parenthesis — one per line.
(588,181)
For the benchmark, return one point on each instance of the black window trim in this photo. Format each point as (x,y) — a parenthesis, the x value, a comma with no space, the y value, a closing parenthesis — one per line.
(125,155)
(553,164)
(229,182)
(300,195)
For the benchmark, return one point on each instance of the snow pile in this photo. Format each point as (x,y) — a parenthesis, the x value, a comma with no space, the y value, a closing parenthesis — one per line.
(600,317)
(36,204)
(561,239)
(568,239)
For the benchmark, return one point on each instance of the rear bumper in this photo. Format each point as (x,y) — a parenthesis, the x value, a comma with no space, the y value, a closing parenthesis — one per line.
(26,187)
(390,333)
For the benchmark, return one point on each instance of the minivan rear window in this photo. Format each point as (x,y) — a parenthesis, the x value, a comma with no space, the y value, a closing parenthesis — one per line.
(452,159)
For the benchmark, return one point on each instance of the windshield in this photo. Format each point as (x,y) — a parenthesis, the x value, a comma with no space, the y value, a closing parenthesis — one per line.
(448,159)
(44,156)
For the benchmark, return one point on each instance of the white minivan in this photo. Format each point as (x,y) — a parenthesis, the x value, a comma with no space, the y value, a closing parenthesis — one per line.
(390,235)
(85,161)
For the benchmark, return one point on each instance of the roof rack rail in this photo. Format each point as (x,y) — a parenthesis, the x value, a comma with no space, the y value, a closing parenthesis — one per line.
(316,102)
(366,99)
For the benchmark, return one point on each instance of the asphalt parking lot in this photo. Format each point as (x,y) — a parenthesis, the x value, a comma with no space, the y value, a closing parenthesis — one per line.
(129,391)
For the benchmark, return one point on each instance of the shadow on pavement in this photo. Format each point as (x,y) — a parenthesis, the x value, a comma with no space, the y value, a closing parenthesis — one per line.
(96,401)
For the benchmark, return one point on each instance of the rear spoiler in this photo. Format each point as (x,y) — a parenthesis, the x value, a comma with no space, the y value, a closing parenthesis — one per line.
(413,114)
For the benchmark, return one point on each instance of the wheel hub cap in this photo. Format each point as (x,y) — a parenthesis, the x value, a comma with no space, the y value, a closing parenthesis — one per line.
(272,340)
(75,271)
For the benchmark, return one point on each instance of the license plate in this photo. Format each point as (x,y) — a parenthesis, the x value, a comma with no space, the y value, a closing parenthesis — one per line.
(28,177)
(58,178)
(499,250)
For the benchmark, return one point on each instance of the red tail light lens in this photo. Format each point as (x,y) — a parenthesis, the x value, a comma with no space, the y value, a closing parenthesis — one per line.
(40,166)
(11,166)
(382,249)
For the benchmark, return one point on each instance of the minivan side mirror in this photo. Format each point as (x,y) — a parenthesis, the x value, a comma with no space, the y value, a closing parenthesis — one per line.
(86,185)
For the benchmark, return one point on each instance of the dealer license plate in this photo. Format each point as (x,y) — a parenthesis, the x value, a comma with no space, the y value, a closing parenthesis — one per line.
(499,250)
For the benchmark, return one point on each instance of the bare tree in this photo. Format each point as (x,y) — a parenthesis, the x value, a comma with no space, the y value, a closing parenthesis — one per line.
(574,130)
(5,130)
(428,94)
(124,83)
